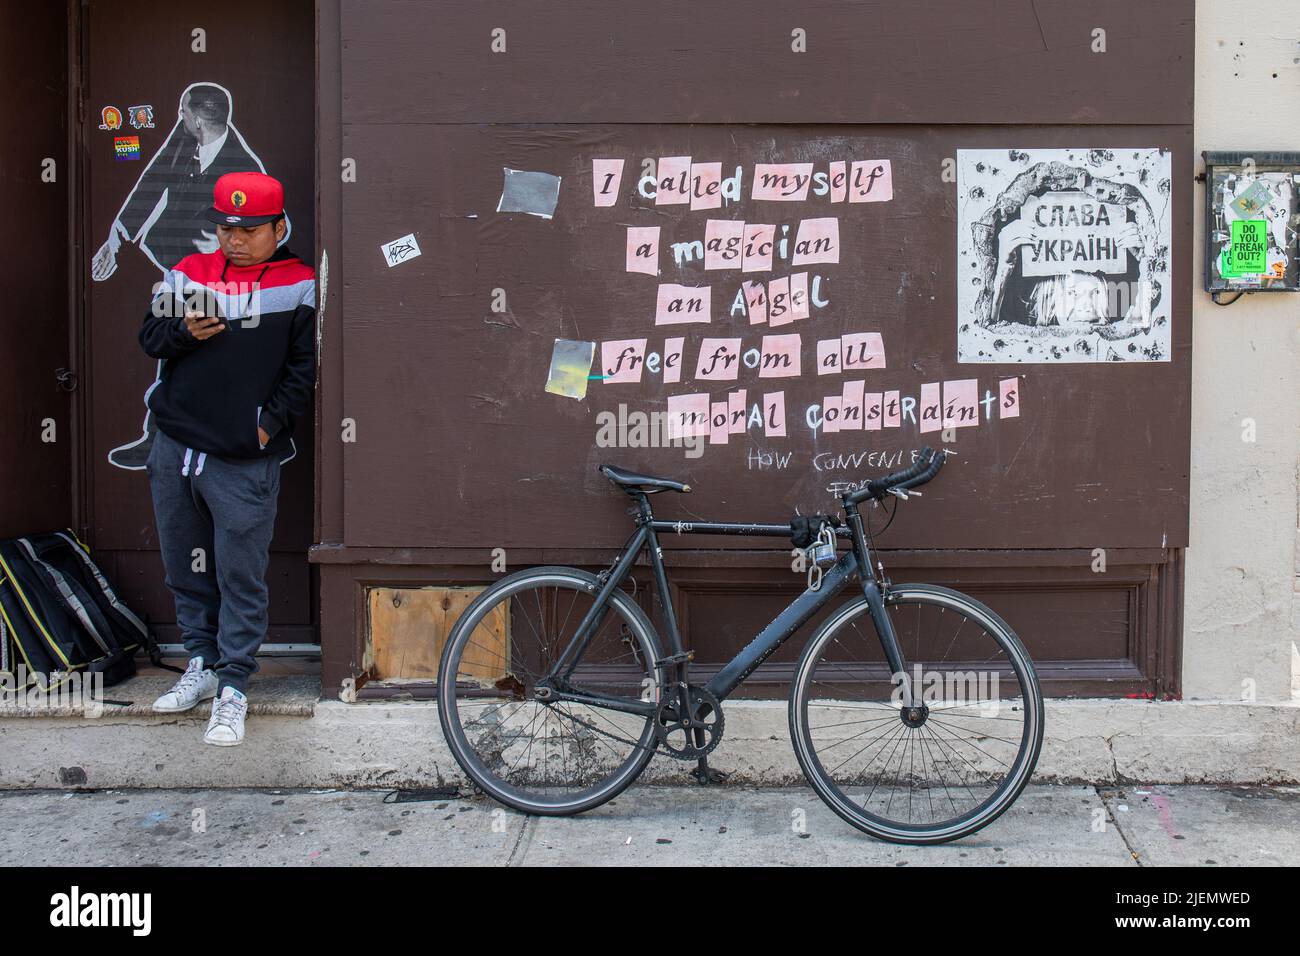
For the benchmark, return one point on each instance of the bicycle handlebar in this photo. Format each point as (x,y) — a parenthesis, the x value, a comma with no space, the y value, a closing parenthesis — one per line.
(923,470)
(937,460)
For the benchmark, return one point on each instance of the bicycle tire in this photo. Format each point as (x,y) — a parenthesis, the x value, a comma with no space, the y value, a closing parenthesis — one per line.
(472,763)
(833,795)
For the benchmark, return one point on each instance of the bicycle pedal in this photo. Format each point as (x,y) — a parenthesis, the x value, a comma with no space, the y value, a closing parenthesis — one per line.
(705,775)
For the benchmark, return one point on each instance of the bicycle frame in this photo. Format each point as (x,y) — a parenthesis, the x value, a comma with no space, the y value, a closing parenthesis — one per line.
(856,561)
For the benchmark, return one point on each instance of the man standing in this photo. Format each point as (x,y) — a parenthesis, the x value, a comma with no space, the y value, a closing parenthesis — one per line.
(237,327)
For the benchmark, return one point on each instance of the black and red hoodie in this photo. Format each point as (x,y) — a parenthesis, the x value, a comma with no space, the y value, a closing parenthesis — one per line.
(212,394)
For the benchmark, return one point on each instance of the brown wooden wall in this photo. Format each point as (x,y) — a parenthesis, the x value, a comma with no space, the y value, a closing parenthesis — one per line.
(35,474)
(459,450)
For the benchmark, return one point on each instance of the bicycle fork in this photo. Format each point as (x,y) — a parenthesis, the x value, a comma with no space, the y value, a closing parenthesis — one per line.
(873,592)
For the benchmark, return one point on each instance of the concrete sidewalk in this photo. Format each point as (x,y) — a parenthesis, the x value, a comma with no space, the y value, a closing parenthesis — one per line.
(739,826)
(296,741)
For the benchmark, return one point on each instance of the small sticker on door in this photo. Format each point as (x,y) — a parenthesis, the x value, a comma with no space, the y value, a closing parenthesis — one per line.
(399,250)
(126,147)
(142,117)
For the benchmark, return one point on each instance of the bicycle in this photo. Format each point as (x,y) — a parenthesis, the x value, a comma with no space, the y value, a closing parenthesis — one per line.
(554,721)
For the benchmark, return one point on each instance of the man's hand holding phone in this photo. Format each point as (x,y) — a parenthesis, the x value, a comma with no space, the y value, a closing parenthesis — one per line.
(203,326)
(203,314)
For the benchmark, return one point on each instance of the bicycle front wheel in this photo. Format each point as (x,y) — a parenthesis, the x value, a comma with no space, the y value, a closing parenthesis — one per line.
(549,758)
(942,768)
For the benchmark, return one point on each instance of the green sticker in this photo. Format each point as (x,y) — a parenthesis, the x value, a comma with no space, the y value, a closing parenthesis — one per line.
(1246,256)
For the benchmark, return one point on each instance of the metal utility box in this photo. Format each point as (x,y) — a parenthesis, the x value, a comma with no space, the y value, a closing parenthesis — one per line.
(1252,211)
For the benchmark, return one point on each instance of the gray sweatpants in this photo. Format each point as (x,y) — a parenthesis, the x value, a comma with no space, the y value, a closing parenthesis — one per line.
(215,518)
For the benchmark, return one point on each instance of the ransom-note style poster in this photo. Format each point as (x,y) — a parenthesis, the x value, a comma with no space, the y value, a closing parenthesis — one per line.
(730,317)
(1063,255)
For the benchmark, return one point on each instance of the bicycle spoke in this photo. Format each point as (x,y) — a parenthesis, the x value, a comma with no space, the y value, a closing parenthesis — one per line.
(974,769)
(971,744)
(845,723)
(965,786)
(884,742)
(1004,740)
(891,720)
(939,773)
(599,739)
(888,760)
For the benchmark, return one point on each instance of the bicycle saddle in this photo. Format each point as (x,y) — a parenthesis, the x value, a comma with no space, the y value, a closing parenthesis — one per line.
(632,482)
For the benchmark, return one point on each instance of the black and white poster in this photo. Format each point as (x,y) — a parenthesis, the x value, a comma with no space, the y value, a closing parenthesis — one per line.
(1063,255)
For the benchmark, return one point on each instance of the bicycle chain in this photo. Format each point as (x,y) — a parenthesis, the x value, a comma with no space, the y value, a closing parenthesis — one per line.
(714,738)
(602,732)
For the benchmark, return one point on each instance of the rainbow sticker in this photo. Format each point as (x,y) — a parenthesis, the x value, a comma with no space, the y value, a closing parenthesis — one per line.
(126,147)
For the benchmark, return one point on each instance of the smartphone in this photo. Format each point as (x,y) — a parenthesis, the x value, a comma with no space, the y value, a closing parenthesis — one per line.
(205,302)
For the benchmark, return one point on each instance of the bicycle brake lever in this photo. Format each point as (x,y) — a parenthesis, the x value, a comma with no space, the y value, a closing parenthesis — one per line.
(899,493)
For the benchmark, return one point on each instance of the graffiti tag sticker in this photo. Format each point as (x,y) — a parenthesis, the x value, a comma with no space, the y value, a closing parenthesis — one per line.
(400,250)
(110,117)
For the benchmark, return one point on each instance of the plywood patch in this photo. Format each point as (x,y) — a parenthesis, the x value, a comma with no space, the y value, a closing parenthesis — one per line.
(409,627)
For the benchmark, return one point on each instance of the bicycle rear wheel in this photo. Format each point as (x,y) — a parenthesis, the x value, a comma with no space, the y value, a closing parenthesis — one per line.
(548,758)
(929,773)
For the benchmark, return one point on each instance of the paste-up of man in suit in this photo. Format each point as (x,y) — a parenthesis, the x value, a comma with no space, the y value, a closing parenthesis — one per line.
(163,214)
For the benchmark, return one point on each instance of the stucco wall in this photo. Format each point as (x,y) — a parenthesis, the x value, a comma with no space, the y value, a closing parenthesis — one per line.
(1239,621)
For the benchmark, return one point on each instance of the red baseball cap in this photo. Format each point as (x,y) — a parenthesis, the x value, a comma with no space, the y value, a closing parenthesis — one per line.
(246,199)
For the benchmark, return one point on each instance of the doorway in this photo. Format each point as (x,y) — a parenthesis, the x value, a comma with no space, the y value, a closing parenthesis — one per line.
(248,69)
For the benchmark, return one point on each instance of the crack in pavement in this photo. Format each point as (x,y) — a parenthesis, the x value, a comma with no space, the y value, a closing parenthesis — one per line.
(1114,818)
(525,831)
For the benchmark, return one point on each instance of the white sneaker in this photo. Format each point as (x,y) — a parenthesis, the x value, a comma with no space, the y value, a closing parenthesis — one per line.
(196,684)
(226,726)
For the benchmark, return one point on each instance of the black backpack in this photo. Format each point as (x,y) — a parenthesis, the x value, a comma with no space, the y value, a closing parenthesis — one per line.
(60,615)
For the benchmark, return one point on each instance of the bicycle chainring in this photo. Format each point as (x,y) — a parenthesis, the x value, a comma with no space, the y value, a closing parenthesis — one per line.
(679,732)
